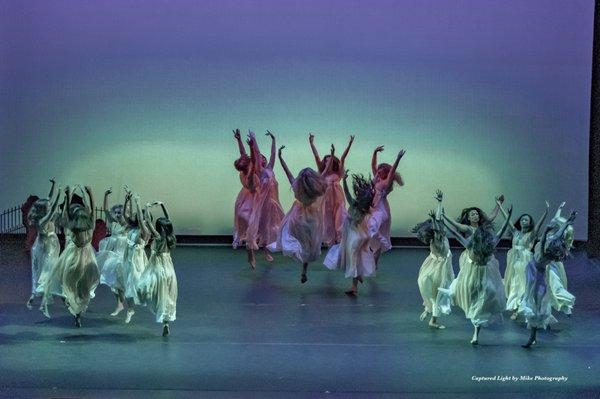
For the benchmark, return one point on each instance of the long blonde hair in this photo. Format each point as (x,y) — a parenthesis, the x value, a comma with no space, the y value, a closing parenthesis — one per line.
(308,186)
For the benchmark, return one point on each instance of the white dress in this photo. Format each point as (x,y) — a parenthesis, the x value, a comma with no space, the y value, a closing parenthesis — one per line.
(352,254)
(477,290)
(110,256)
(380,222)
(134,263)
(536,304)
(75,276)
(301,232)
(517,259)
(435,272)
(157,287)
(44,255)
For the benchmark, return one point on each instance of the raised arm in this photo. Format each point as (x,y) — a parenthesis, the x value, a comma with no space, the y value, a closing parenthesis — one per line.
(346,190)
(284,166)
(150,226)
(311,140)
(271,163)
(564,226)
(504,226)
(88,191)
(238,137)
(494,213)
(50,215)
(439,197)
(346,151)
(51,193)
(67,204)
(392,173)
(462,240)
(329,164)
(141,219)
(105,205)
(254,153)
(463,228)
(164,208)
(541,221)
(374,161)
(511,225)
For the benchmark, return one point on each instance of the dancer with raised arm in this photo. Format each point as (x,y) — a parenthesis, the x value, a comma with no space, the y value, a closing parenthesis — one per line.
(76,268)
(524,234)
(112,249)
(536,304)
(353,254)
(380,222)
(333,204)
(244,203)
(478,288)
(157,287)
(436,271)
(267,212)
(46,248)
(301,232)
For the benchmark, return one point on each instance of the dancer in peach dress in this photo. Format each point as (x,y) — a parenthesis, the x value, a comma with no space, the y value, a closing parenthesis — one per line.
(333,204)
(301,232)
(244,203)
(267,212)
(384,176)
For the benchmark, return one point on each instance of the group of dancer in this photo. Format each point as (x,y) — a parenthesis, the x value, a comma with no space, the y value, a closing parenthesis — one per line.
(356,236)
(534,283)
(121,263)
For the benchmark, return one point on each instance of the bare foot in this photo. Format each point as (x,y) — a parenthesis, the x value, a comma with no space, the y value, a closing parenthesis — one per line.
(528,344)
(303,279)
(351,292)
(118,310)
(166,330)
(513,316)
(252,259)
(359,278)
(474,341)
(78,321)
(30,303)
(44,309)
(130,313)
(423,315)
(268,257)
(436,325)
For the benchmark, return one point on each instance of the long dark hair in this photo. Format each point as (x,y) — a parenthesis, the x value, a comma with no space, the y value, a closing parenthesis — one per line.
(482,241)
(335,166)
(38,210)
(80,218)
(424,231)
(164,227)
(518,223)
(464,216)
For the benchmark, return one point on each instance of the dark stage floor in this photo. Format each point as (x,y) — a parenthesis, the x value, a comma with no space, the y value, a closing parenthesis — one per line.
(263,334)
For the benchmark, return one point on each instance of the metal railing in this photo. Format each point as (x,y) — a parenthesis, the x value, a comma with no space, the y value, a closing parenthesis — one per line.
(11,221)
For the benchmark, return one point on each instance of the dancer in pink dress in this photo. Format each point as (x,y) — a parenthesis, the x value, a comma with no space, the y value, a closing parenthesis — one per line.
(244,202)
(301,232)
(380,221)
(267,212)
(353,254)
(333,204)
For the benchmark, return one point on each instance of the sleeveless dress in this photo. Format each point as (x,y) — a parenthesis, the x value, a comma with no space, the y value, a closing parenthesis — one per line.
(110,256)
(517,259)
(352,254)
(301,232)
(267,213)
(380,222)
(244,204)
(435,272)
(44,255)
(77,272)
(536,304)
(334,210)
(134,263)
(477,290)
(157,287)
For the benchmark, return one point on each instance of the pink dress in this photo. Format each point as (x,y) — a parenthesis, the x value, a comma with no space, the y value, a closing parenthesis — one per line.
(352,254)
(267,213)
(380,222)
(244,204)
(334,210)
(301,232)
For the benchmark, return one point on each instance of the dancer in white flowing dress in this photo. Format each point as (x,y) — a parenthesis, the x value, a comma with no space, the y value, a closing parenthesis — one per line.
(300,234)
(112,250)
(353,254)
(333,205)
(46,248)
(524,234)
(436,271)
(536,303)
(134,258)
(380,222)
(478,288)
(157,288)
(76,271)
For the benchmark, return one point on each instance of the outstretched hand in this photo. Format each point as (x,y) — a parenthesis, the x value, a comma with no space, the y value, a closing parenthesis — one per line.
(270,135)
(280,150)
(351,138)
(108,191)
(547,205)
(332,149)
(311,138)
(53,180)
(500,199)
(346,173)
(431,214)
(379,149)
(572,217)
(439,196)
(510,210)
(401,154)
(236,134)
